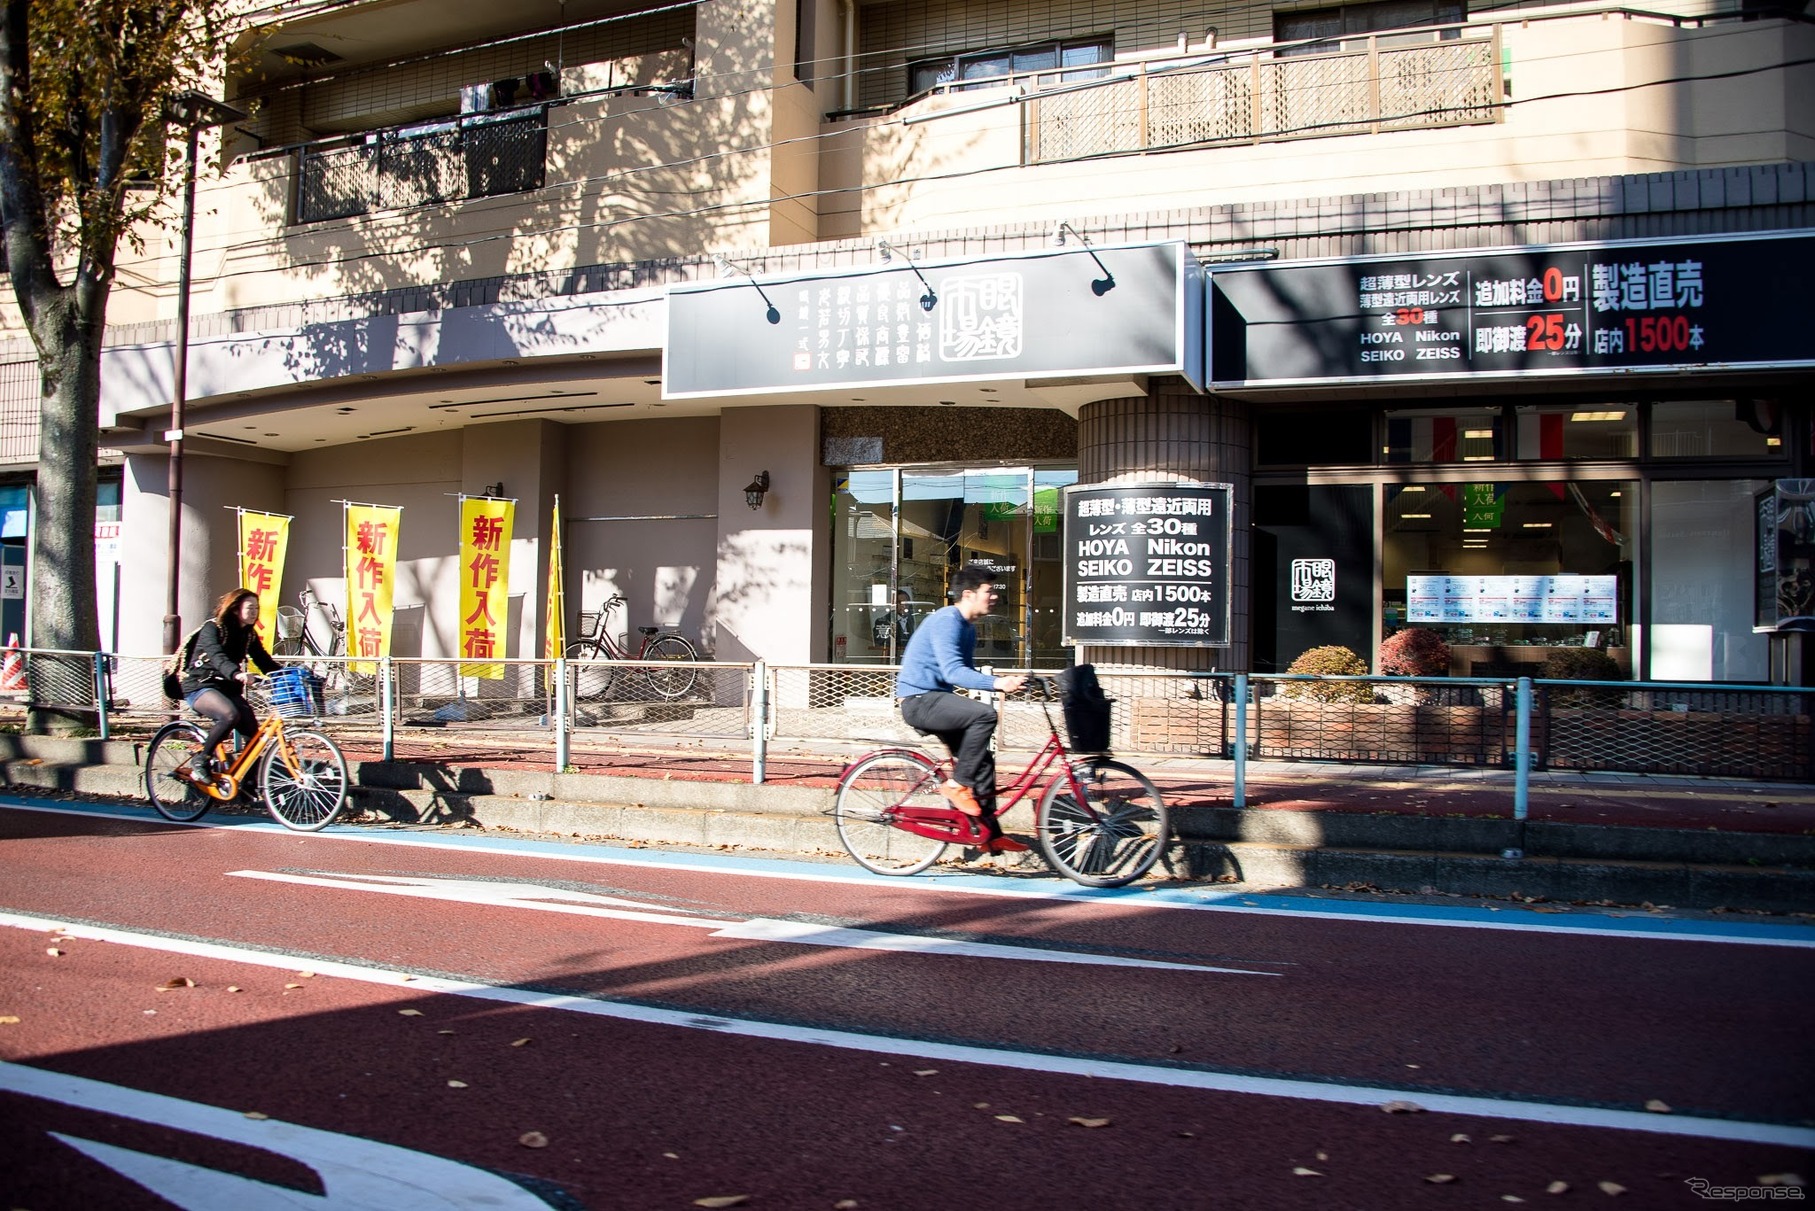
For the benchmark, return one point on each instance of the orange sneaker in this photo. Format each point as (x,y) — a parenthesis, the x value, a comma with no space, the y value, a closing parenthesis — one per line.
(1004,845)
(962,798)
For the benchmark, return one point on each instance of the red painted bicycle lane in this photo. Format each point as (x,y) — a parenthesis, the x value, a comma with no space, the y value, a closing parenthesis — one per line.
(1707,1029)
(639,1115)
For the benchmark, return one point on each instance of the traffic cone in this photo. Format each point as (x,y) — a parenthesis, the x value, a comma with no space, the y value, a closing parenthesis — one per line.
(12,672)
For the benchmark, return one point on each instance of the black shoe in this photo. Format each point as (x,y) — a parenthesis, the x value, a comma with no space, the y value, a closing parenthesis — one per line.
(201,771)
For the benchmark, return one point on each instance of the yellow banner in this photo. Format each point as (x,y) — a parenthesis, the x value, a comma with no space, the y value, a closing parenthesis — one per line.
(557,594)
(485,526)
(371,569)
(264,539)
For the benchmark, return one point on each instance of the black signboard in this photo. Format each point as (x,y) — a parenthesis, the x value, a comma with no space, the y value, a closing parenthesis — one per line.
(1560,309)
(1076,311)
(1785,599)
(1148,564)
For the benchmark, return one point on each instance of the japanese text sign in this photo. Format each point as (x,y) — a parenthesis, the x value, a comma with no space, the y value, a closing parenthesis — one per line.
(264,539)
(371,573)
(1147,564)
(485,526)
(1575,309)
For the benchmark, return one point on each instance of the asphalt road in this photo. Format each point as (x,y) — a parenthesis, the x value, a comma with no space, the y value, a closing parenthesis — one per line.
(236,1017)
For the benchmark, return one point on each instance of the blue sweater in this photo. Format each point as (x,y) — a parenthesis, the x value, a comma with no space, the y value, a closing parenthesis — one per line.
(940,657)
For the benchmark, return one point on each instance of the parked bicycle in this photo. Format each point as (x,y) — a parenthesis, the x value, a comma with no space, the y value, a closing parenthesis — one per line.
(301,774)
(1099,822)
(297,636)
(597,643)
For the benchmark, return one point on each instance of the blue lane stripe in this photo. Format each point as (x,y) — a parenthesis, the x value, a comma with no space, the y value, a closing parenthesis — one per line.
(1600,922)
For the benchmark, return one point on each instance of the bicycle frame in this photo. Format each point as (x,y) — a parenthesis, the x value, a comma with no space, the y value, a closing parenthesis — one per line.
(270,730)
(607,647)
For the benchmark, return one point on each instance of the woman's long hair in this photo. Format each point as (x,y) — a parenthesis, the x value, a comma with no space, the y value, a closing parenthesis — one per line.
(226,609)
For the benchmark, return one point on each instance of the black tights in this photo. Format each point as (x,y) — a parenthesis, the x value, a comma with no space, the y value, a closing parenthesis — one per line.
(230,712)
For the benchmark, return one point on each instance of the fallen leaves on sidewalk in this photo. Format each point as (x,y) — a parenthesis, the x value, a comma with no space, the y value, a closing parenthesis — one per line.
(1402,1107)
(533,1139)
(1088,1122)
(176,982)
(722,1200)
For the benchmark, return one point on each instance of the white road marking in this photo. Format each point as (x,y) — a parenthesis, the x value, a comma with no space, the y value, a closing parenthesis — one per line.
(356,1174)
(974,884)
(1186,1078)
(758,929)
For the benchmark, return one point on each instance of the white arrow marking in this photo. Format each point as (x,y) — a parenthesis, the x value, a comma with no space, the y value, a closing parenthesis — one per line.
(356,1174)
(760,929)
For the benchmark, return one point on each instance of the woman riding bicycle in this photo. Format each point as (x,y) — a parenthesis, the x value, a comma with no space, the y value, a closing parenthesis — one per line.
(214,677)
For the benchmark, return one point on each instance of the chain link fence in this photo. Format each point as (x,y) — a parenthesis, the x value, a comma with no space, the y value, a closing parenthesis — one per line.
(1750,732)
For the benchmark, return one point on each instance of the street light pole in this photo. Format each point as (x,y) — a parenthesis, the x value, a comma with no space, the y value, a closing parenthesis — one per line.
(195,111)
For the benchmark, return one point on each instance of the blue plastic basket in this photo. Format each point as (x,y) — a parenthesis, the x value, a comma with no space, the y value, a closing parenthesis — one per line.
(295,692)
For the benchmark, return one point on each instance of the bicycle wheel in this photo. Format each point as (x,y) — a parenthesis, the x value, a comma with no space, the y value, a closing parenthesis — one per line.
(672,683)
(173,748)
(865,810)
(589,680)
(1114,837)
(306,794)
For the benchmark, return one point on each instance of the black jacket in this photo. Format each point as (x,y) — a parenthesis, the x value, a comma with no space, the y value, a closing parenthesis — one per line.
(220,653)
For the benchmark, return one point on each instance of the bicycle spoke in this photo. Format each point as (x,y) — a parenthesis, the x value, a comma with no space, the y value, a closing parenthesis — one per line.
(1113,835)
(869,797)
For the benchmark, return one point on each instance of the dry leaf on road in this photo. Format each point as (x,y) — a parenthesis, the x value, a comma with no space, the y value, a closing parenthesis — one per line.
(1301,1171)
(1402,1107)
(533,1139)
(456,1084)
(1658,1106)
(1008,1118)
(1459,1138)
(52,951)
(1557,1188)
(9,1020)
(1439,1179)
(1088,1122)
(409,1013)
(722,1200)
(1611,1188)
(520,1043)
(176,982)
(233,988)
(257,1114)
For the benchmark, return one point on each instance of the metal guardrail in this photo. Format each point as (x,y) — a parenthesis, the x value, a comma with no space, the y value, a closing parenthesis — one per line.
(1739,731)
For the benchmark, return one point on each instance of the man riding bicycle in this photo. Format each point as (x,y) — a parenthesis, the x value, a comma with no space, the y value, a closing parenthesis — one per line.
(215,674)
(941,658)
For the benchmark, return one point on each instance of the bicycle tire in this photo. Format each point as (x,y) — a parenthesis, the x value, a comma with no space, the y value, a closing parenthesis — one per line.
(864,809)
(671,683)
(1113,840)
(590,681)
(175,797)
(309,796)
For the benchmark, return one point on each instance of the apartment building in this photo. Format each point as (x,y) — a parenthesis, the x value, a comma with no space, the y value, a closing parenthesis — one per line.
(1492,319)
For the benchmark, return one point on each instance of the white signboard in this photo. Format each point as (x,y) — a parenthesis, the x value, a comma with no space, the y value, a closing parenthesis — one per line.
(1562,598)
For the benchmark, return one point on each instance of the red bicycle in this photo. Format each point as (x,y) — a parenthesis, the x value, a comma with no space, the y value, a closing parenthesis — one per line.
(1099,822)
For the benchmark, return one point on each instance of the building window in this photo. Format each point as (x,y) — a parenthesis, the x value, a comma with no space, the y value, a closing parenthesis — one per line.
(1582,431)
(1443,435)
(984,68)
(1318,31)
(1716,428)
(1702,583)
(1293,438)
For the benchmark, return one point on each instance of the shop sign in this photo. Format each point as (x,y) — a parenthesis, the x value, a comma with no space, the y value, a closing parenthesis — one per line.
(1576,309)
(1147,564)
(1073,312)
(1786,557)
(1481,508)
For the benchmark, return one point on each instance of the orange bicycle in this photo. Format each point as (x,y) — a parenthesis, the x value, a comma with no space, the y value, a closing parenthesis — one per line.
(1099,822)
(302,775)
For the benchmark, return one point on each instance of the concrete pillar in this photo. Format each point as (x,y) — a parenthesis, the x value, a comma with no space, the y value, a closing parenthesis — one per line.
(1174,434)
(771,585)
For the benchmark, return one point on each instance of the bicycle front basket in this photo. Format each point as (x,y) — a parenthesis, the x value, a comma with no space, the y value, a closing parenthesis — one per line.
(289,622)
(295,692)
(1087,724)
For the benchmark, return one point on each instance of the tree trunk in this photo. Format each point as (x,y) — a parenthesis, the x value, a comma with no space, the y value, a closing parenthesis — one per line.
(63,611)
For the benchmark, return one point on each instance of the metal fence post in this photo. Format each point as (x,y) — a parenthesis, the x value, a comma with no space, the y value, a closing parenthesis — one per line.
(759,721)
(1241,740)
(561,753)
(101,694)
(1521,766)
(387,701)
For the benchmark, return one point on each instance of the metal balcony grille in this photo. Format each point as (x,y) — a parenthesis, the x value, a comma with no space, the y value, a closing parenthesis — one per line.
(425,165)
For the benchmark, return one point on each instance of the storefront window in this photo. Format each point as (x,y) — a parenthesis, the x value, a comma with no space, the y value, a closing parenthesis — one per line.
(1507,571)
(1443,435)
(1585,431)
(1702,583)
(1715,429)
(901,535)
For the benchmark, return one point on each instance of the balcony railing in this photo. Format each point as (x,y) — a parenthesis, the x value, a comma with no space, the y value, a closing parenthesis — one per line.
(477,156)
(1365,90)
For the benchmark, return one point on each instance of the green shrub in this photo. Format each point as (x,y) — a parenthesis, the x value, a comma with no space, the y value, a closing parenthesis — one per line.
(1414,652)
(1582,664)
(1329,661)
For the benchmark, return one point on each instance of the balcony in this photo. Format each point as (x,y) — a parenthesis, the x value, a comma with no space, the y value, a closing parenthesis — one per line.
(1259,97)
(476,156)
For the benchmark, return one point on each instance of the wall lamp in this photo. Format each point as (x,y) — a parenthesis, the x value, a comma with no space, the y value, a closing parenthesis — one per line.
(727,269)
(756,489)
(1100,286)
(887,252)
(496,491)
